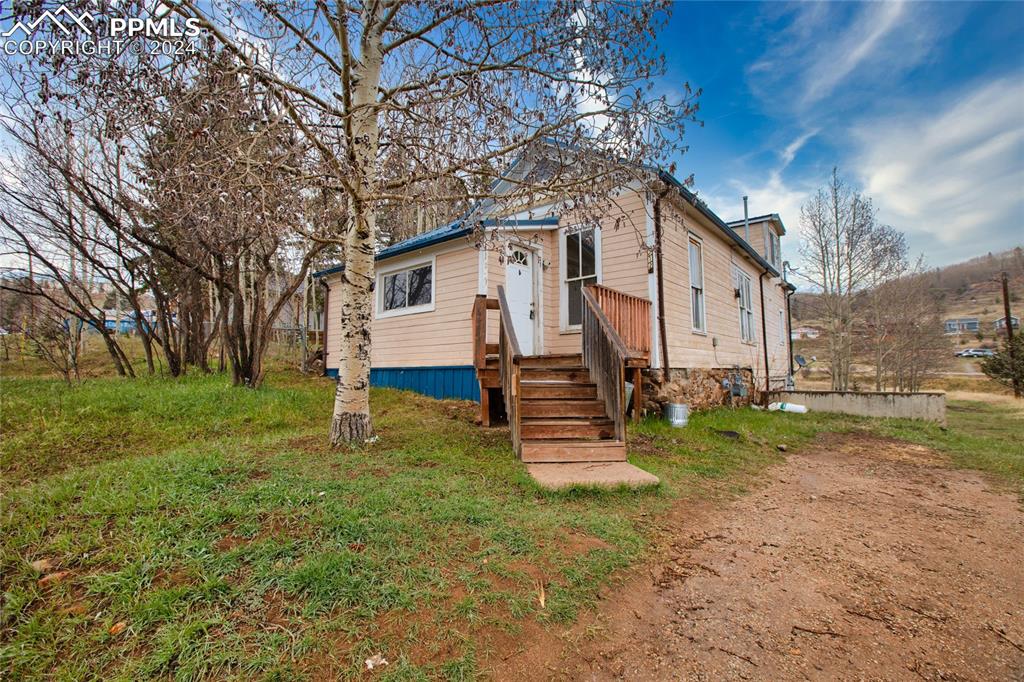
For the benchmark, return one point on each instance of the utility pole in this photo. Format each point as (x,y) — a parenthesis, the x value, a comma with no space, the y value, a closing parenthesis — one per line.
(1009,331)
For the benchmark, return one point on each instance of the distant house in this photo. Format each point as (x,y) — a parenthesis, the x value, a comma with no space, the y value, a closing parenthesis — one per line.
(963,325)
(804,333)
(1000,324)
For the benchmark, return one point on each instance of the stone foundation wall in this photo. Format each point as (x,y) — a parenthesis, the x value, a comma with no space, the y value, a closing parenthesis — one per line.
(699,388)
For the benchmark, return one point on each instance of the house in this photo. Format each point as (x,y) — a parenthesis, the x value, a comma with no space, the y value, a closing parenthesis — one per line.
(1000,324)
(805,333)
(962,325)
(550,318)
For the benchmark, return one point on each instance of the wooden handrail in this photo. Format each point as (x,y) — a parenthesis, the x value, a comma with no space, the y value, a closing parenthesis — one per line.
(479,317)
(629,315)
(606,324)
(616,338)
(506,322)
(604,355)
(509,356)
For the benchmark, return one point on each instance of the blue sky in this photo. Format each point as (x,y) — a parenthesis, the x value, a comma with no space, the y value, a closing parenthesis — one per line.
(921,105)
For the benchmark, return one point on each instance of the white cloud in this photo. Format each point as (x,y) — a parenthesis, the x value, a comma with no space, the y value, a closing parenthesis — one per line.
(768,193)
(953,176)
(827,45)
(858,44)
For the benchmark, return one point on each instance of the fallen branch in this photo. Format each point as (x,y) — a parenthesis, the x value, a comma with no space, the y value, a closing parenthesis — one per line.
(1002,635)
(812,631)
(877,619)
(739,656)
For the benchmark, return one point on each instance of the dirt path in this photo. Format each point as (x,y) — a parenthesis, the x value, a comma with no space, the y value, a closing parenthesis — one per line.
(861,559)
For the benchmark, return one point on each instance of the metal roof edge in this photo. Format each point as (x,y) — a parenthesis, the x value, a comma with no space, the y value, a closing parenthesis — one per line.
(692,199)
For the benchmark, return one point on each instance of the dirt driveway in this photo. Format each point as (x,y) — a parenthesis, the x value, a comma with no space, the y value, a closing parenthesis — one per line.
(860,559)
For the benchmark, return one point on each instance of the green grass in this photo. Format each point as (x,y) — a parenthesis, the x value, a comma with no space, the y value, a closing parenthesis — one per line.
(234,544)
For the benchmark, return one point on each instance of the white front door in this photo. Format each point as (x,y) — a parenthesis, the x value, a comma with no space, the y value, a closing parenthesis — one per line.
(520,295)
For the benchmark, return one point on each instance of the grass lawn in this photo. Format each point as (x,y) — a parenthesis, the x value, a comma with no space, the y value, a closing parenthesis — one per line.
(202,531)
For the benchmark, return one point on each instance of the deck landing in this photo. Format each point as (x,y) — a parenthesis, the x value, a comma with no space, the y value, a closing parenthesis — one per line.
(555,476)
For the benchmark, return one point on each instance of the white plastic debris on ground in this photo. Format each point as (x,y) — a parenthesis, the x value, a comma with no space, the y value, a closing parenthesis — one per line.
(376,661)
(787,407)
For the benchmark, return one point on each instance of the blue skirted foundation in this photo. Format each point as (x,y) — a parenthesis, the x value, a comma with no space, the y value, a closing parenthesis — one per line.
(458,381)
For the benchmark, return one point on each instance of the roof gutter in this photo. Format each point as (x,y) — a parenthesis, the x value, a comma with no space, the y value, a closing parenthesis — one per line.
(764,342)
(691,198)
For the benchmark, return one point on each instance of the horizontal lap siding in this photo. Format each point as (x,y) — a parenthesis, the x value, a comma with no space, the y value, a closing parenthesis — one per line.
(689,349)
(442,337)
(623,264)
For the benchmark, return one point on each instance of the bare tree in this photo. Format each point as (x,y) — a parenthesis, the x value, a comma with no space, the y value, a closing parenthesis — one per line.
(51,337)
(225,194)
(845,252)
(42,220)
(902,331)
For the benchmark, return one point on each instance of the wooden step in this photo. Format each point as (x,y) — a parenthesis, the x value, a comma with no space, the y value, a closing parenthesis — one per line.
(559,475)
(574,374)
(570,427)
(561,407)
(557,389)
(490,378)
(553,360)
(563,450)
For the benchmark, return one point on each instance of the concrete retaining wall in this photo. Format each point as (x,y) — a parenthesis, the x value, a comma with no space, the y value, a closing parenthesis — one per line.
(927,406)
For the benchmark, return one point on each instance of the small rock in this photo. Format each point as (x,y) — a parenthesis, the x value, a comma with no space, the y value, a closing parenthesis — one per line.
(41,565)
(781,447)
(813,498)
(53,578)
(118,627)
(795,652)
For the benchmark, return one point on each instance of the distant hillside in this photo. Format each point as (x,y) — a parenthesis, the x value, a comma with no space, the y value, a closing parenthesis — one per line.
(968,289)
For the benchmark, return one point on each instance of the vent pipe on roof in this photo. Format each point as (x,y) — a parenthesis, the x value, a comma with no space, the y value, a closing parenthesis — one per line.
(746,221)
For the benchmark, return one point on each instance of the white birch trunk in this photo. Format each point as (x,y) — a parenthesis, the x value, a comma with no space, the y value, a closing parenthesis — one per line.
(351,419)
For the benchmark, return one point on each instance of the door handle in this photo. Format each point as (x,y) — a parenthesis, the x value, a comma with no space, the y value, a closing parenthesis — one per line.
(531,314)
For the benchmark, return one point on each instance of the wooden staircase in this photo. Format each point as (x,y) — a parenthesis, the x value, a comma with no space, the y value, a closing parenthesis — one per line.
(561,418)
(567,421)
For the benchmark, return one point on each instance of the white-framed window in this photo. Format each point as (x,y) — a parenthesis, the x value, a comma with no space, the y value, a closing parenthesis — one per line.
(774,249)
(698,317)
(405,289)
(580,256)
(747,331)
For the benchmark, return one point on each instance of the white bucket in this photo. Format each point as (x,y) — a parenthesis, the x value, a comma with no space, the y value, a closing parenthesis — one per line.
(677,414)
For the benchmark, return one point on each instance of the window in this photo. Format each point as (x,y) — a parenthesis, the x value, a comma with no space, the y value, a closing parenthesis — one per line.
(581,251)
(408,290)
(746,307)
(774,249)
(697,317)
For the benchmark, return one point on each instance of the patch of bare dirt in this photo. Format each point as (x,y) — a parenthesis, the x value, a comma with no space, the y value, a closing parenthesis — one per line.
(861,558)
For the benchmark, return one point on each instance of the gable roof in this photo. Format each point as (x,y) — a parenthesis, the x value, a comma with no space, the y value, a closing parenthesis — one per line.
(768,217)
(463,227)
